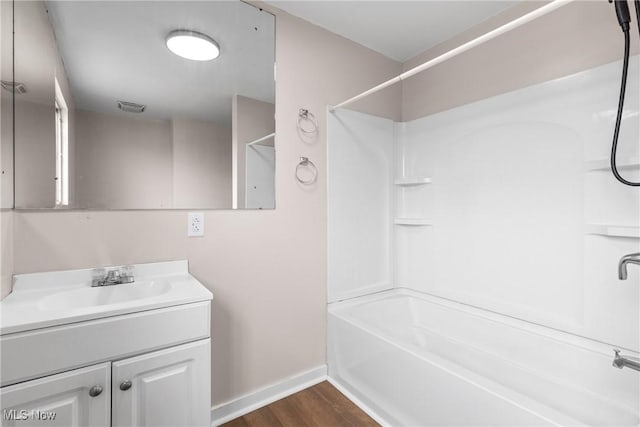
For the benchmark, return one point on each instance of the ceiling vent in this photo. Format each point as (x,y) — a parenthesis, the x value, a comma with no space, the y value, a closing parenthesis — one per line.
(18,87)
(131,107)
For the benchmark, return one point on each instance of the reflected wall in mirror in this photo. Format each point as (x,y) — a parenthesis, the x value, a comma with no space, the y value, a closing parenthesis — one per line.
(116,116)
(6,105)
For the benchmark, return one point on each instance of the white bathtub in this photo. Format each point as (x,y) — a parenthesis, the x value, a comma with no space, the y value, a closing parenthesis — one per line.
(417,360)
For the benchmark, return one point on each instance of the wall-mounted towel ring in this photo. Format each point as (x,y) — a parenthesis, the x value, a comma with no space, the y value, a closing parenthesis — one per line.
(306,171)
(307,122)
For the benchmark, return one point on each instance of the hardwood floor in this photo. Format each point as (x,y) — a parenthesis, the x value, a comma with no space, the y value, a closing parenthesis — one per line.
(319,406)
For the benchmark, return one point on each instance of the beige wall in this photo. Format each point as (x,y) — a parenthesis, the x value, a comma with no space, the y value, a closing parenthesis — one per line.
(122,162)
(6,251)
(6,150)
(135,163)
(35,153)
(252,119)
(266,268)
(201,164)
(581,35)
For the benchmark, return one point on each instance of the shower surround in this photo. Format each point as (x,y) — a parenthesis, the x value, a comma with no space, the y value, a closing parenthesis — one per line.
(494,230)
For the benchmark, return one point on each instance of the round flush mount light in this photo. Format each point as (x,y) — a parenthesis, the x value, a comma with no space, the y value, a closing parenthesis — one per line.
(193,45)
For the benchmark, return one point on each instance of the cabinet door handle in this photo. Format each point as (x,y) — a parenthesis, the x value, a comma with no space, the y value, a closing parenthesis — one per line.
(95,390)
(125,385)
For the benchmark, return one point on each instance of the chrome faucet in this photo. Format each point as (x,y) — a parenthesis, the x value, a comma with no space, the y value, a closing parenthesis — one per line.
(112,277)
(622,265)
(621,361)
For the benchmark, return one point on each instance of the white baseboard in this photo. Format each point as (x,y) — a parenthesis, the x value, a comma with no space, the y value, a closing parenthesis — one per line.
(366,409)
(228,411)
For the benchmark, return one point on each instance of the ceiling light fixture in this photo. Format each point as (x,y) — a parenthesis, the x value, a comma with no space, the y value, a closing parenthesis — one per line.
(193,45)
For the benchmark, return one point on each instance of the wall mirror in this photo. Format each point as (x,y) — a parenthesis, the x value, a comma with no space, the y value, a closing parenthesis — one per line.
(144,105)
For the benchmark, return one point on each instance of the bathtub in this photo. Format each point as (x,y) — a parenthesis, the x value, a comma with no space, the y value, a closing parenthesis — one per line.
(412,359)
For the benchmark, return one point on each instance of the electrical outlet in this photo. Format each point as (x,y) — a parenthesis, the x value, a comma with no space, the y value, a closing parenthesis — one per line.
(195,226)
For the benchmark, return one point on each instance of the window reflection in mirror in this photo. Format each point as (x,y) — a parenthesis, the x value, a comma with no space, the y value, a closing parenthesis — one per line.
(62,148)
(114,119)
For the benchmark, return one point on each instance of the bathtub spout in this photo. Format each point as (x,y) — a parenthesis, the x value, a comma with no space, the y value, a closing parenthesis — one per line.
(622,265)
(621,361)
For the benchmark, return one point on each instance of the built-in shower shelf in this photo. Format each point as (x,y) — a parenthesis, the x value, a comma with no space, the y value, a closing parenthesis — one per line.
(412,221)
(409,181)
(613,230)
(604,164)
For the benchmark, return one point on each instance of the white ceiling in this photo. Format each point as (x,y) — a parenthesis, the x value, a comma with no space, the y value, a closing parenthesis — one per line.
(115,50)
(397,29)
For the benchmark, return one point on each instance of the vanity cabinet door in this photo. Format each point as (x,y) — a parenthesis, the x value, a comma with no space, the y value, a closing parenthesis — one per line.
(169,387)
(81,398)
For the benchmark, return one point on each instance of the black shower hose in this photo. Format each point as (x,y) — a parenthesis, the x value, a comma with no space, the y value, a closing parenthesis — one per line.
(623,86)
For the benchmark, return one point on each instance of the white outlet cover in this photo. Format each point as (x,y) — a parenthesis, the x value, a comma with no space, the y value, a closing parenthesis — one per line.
(195,225)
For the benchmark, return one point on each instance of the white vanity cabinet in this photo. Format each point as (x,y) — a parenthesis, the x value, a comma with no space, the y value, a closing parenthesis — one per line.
(143,361)
(78,398)
(163,388)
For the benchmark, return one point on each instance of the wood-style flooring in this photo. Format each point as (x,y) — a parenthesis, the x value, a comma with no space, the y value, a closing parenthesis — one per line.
(319,406)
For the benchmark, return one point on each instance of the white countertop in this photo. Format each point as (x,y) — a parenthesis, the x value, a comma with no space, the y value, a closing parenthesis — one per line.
(42,300)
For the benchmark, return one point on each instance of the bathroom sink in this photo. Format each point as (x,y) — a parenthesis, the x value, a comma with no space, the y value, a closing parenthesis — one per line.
(104,295)
(40,300)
